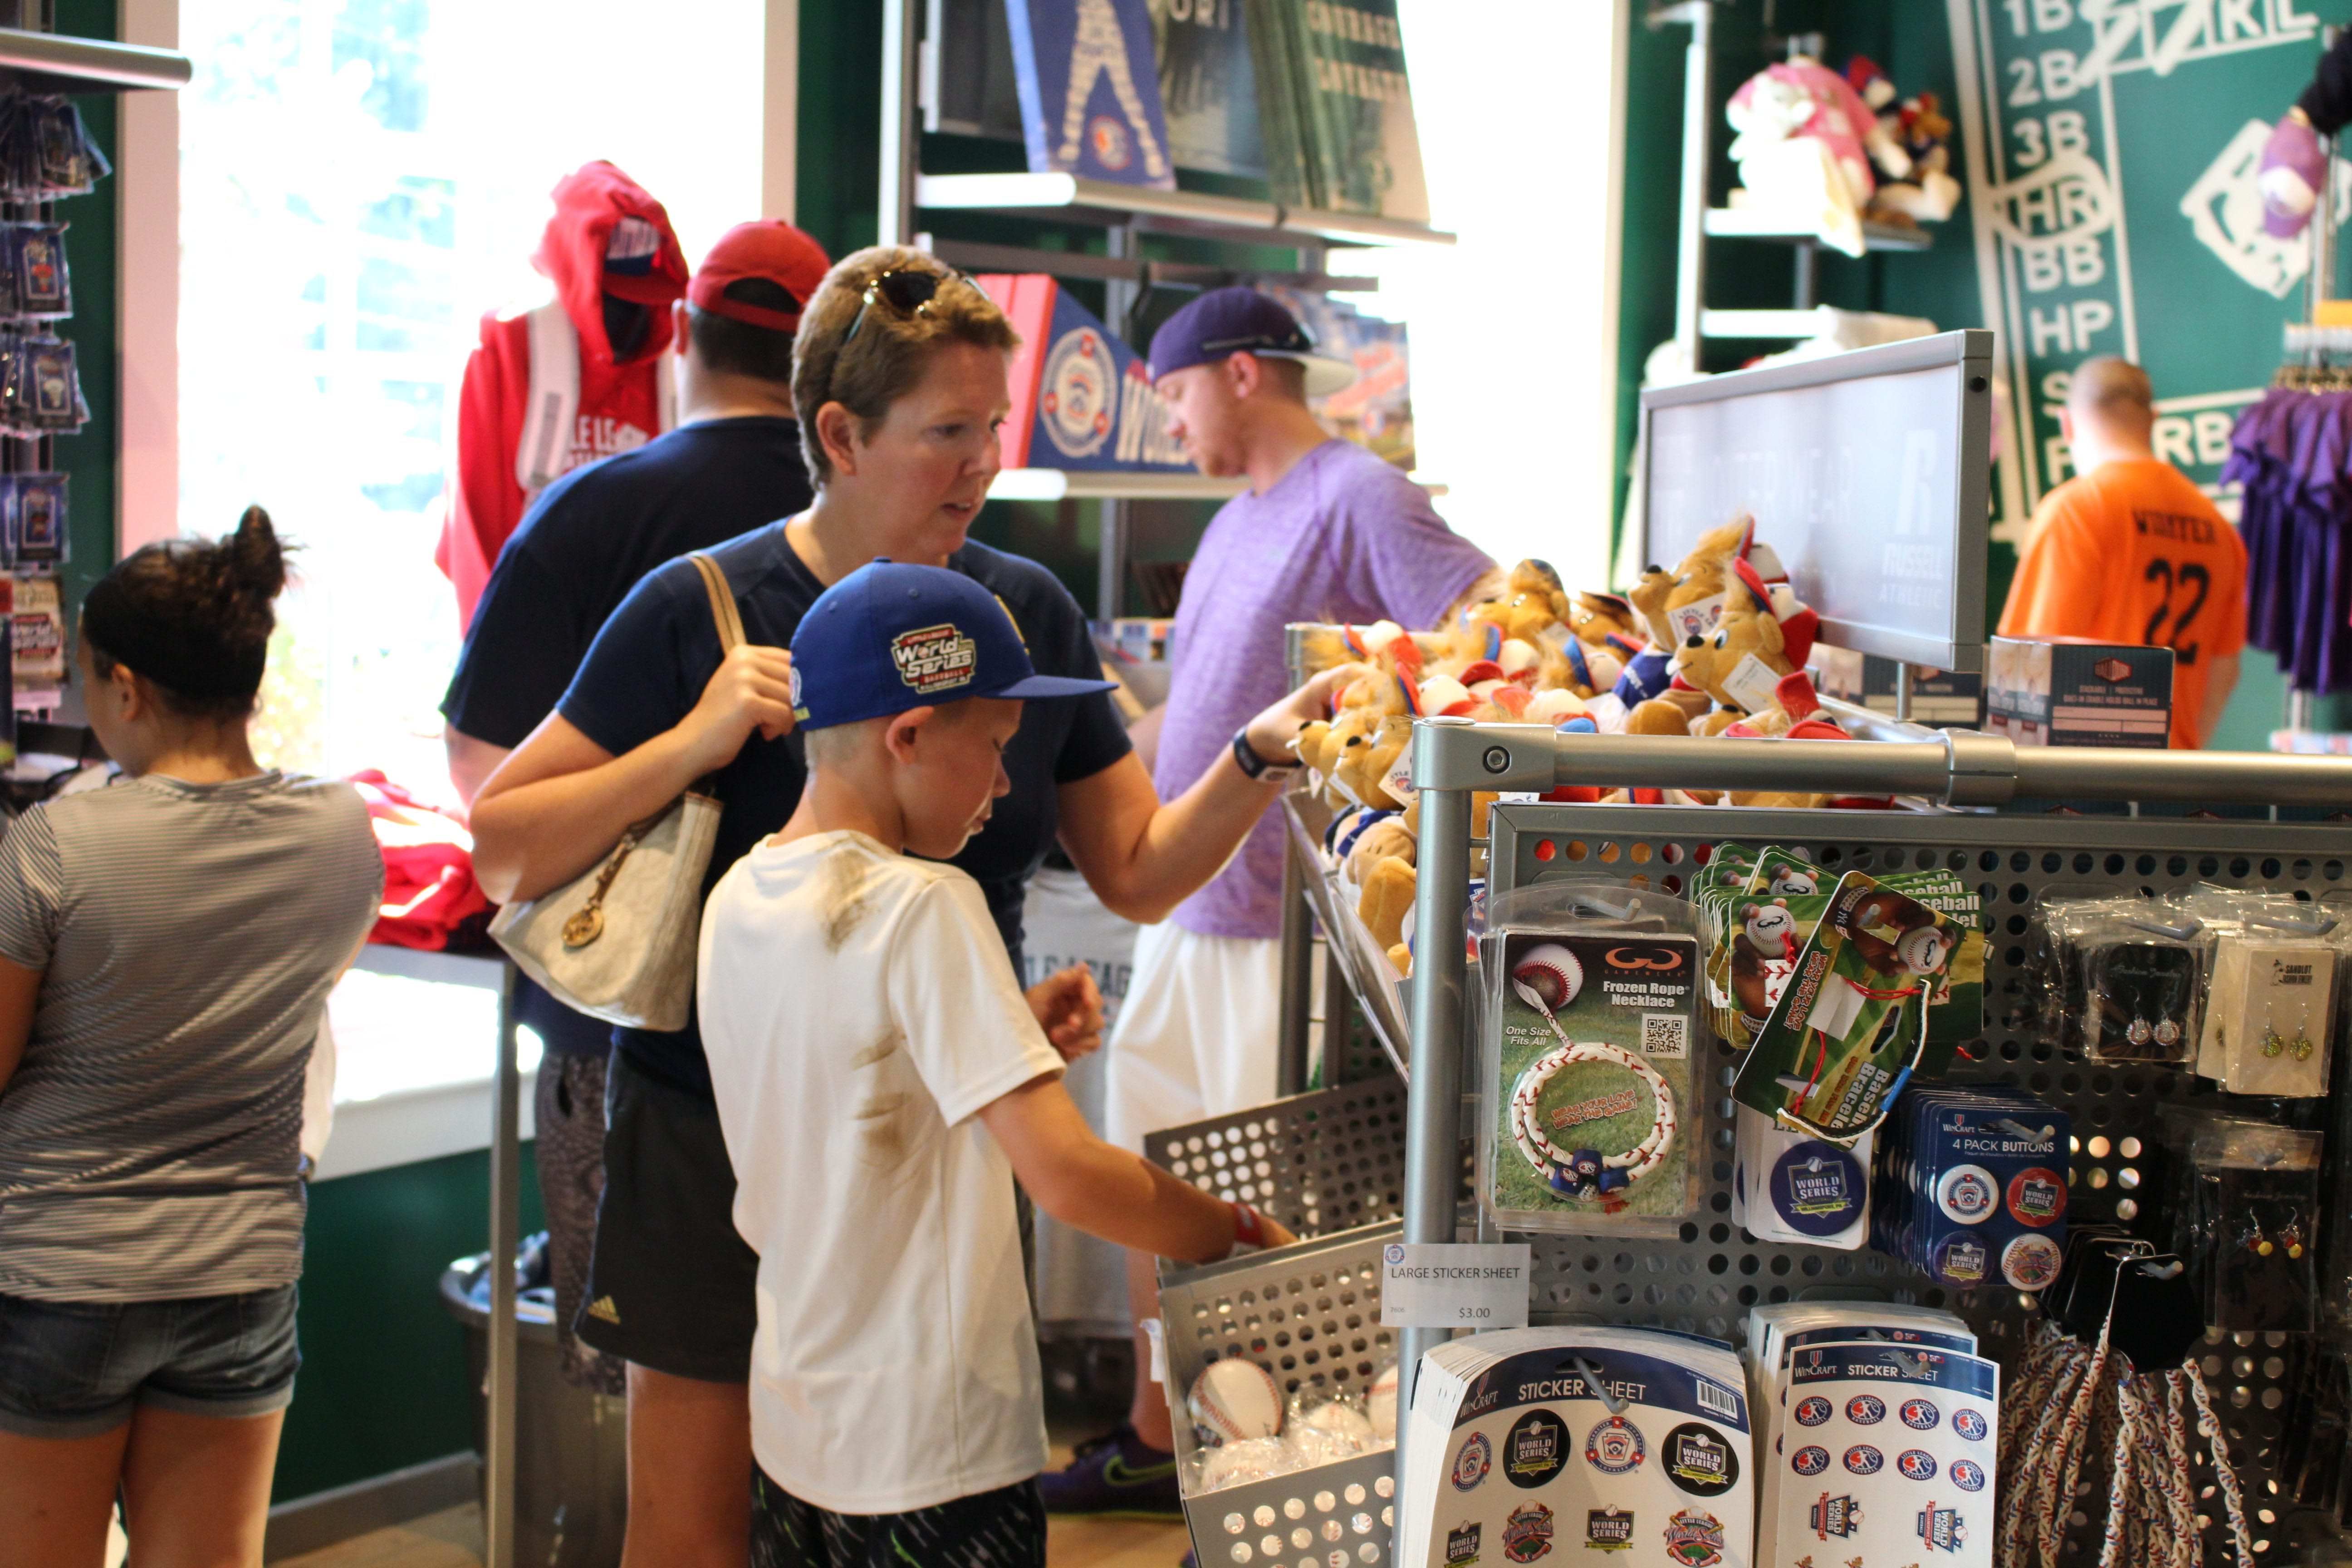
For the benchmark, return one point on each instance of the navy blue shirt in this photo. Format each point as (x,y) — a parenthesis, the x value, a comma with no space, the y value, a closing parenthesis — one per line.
(576,555)
(659,650)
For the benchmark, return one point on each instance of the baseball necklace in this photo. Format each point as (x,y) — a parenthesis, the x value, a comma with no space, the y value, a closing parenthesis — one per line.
(1585,1171)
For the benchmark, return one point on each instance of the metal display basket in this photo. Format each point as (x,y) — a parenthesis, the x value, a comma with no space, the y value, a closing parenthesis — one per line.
(1376,986)
(1310,1315)
(1332,1160)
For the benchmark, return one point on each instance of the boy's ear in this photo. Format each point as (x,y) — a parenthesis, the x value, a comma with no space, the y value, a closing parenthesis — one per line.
(898,735)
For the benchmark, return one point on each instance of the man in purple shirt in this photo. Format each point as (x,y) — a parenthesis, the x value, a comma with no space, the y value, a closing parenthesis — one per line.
(1327,531)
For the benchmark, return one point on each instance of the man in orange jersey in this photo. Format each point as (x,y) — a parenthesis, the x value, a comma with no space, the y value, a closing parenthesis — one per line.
(2128,551)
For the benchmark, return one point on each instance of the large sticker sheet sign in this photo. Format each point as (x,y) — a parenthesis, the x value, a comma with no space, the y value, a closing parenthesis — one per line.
(2112,150)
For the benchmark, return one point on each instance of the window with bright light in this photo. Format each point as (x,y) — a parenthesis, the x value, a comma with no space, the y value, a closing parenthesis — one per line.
(360,181)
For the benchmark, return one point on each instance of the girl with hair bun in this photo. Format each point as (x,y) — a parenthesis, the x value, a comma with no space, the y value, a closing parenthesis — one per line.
(166,947)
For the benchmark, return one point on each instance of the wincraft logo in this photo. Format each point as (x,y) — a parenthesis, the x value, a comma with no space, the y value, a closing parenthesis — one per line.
(933,659)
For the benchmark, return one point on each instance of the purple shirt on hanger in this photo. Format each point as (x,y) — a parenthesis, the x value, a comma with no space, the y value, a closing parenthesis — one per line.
(1343,536)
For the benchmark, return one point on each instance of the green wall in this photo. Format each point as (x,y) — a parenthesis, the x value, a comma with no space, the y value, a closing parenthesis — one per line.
(384,1367)
(1911,39)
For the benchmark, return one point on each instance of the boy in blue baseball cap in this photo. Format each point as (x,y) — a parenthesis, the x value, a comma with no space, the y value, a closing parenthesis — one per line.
(880,1081)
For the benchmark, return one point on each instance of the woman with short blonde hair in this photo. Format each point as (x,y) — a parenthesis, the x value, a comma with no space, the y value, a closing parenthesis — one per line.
(900,379)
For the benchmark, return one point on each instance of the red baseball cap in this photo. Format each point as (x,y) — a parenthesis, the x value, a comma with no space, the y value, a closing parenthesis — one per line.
(768,249)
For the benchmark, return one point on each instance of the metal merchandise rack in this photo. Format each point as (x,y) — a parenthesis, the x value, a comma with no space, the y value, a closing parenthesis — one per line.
(1705,1278)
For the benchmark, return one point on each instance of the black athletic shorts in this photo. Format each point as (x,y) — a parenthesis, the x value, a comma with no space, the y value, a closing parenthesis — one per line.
(1003,1529)
(671,1284)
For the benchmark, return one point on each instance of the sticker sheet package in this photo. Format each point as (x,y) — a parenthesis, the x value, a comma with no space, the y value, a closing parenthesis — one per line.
(1777,1331)
(1972,1186)
(1590,1021)
(1788,1187)
(1888,1458)
(1853,1023)
(1601,1445)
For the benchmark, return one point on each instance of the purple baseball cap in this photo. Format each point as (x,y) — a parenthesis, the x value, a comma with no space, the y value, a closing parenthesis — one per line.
(1225,322)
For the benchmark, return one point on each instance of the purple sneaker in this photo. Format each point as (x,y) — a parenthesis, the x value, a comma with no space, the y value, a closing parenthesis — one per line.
(1115,1477)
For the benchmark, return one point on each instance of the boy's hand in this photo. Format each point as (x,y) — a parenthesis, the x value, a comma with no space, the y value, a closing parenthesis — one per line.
(1270,732)
(752,689)
(1069,1009)
(1276,1233)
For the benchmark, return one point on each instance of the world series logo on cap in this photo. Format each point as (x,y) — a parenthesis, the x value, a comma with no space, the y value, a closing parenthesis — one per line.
(934,658)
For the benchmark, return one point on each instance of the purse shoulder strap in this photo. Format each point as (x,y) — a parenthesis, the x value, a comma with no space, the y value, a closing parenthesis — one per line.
(723,604)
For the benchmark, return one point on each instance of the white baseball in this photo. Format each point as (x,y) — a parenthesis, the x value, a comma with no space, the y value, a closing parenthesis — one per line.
(1330,1432)
(1380,1405)
(1552,972)
(1251,1459)
(1233,1401)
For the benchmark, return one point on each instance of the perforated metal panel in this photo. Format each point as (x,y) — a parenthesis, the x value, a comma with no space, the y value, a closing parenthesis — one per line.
(1310,1316)
(1704,1281)
(1324,1161)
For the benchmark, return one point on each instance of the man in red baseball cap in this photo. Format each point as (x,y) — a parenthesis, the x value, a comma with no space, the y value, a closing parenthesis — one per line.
(732,465)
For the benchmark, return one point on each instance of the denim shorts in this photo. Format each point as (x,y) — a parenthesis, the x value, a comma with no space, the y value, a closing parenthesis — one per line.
(77,1369)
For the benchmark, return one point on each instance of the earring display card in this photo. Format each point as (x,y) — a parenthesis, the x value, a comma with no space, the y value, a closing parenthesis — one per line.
(2140,1001)
(2268,1015)
(2245,1210)
(1889,1457)
(1592,1047)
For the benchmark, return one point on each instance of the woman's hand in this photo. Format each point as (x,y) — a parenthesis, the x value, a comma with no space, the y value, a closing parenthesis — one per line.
(752,689)
(1069,1009)
(1270,732)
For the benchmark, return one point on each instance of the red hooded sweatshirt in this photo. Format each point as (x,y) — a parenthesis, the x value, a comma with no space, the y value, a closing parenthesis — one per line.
(607,236)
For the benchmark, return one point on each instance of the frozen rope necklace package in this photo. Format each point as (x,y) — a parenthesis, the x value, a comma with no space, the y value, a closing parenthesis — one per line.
(1587,1170)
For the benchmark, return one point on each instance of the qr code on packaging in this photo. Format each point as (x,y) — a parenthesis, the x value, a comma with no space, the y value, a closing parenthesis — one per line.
(1665,1034)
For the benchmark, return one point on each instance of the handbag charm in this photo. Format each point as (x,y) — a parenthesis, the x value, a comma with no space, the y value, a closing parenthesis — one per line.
(587,921)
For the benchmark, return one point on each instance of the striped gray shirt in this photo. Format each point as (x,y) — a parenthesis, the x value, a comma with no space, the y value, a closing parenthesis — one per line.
(187,936)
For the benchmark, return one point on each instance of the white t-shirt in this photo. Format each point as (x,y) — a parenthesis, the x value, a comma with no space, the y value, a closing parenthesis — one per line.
(858,1008)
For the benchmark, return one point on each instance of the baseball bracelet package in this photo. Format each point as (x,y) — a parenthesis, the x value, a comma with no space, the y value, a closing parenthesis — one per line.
(1889,1458)
(1853,1026)
(1591,1004)
(1631,1444)
(1778,1331)
(1789,1187)
(2271,1002)
(2120,978)
(1971,1186)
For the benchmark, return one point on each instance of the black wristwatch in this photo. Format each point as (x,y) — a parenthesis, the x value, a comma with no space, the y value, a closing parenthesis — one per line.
(1254,766)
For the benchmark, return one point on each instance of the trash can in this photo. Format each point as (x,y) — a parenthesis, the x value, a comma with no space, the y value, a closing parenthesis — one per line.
(572,1474)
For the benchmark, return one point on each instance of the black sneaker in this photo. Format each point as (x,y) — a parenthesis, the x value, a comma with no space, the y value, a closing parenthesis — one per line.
(1115,1477)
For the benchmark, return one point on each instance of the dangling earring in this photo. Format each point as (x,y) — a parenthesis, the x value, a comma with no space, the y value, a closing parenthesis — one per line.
(2272,1041)
(2293,1238)
(2263,1244)
(2139,1034)
(2302,1044)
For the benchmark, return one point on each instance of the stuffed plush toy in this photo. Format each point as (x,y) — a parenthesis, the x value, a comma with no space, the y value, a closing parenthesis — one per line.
(1919,187)
(1674,605)
(1805,148)
(1386,903)
(1739,662)
(1597,618)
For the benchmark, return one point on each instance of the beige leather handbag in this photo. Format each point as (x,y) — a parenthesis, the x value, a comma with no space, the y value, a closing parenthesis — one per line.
(618,943)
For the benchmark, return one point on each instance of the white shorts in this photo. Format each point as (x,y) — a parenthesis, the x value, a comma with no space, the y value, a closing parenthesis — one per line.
(1197,1036)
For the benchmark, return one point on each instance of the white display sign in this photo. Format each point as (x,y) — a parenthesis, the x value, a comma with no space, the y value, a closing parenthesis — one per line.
(1454,1285)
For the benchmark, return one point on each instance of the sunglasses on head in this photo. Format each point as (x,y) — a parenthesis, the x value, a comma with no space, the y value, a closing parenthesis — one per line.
(909,292)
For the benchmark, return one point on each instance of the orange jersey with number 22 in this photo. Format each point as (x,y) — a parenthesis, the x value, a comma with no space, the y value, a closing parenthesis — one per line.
(2132,552)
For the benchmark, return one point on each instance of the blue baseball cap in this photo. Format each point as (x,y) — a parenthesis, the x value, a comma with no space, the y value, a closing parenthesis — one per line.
(890,637)
(1225,322)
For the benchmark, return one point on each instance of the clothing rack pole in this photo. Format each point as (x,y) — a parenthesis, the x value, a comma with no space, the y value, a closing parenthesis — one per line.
(2317,287)
(506,1188)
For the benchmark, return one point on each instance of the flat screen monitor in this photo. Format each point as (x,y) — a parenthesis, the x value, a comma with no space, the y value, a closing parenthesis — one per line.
(1867,472)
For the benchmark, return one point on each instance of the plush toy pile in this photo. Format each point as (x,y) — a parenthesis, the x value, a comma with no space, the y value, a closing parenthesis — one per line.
(1716,647)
